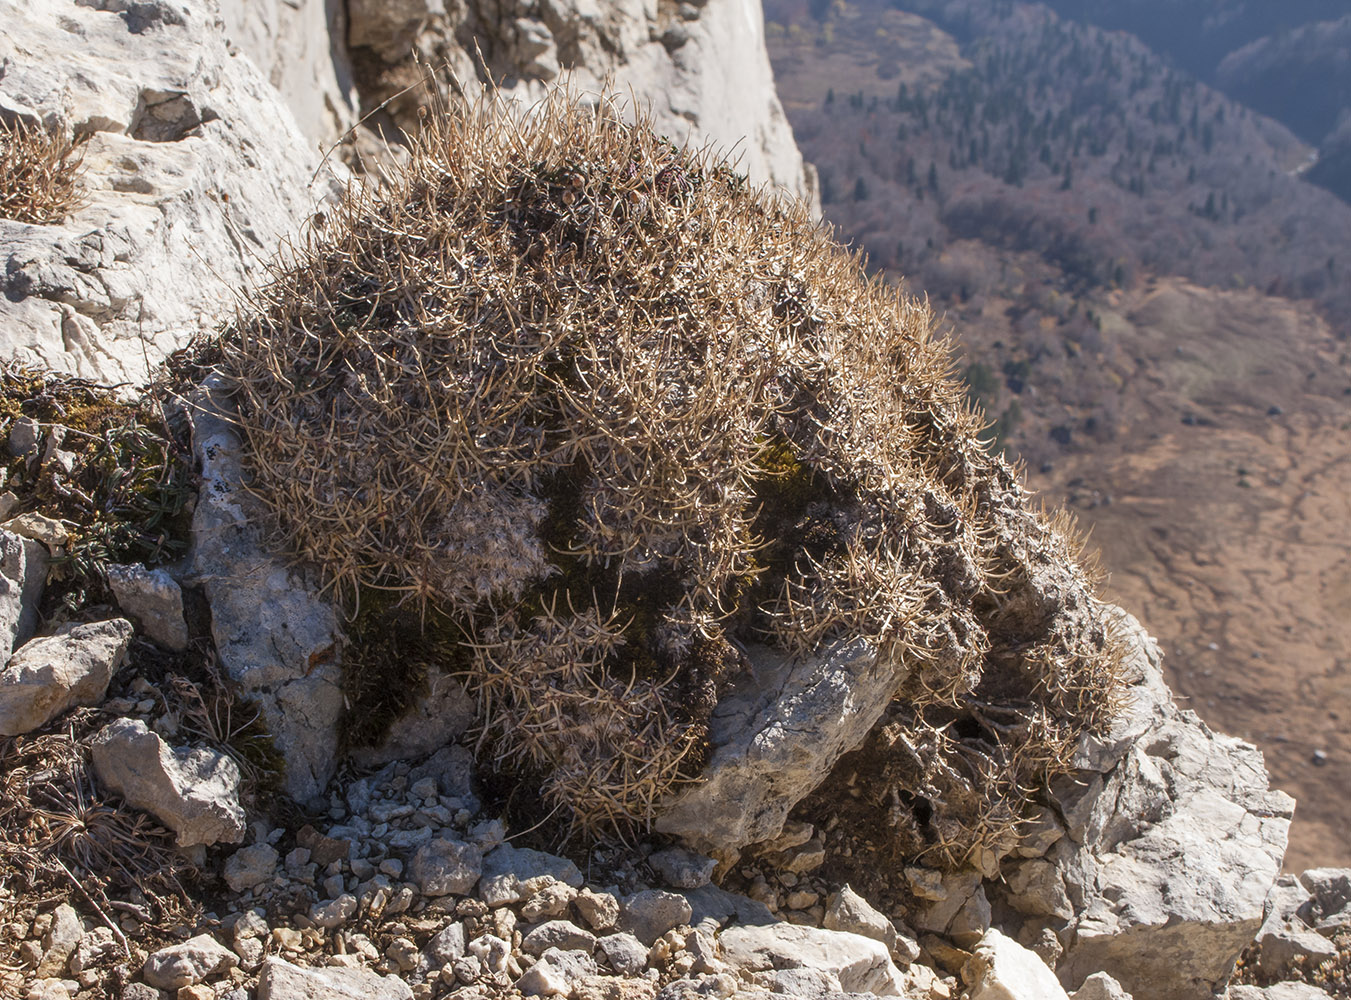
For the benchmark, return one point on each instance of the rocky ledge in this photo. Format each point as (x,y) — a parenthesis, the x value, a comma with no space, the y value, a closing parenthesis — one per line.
(1151,870)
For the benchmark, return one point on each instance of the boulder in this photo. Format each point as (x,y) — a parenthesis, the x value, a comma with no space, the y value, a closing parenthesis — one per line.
(194,792)
(153,598)
(1002,969)
(775,737)
(278,979)
(192,173)
(861,964)
(188,963)
(53,674)
(556,973)
(277,640)
(704,72)
(23,574)
(60,941)
(649,914)
(1174,841)
(446,867)
(846,910)
(250,866)
(1100,986)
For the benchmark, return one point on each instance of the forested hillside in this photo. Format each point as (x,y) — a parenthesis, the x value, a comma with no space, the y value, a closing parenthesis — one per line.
(1150,301)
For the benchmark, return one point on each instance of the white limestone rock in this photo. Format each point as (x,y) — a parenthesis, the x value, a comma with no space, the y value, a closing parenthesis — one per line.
(861,964)
(250,866)
(334,913)
(775,738)
(277,641)
(153,598)
(298,45)
(91,948)
(60,941)
(703,69)
(278,979)
(23,575)
(526,863)
(1284,944)
(194,792)
(561,934)
(649,914)
(1279,991)
(556,973)
(846,910)
(446,945)
(193,172)
(188,963)
(803,981)
(1002,969)
(1100,986)
(446,867)
(1174,841)
(625,953)
(52,674)
(681,868)
(1329,907)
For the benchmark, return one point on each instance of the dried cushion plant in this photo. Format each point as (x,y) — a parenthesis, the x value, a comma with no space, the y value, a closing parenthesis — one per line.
(607,417)
(39,174)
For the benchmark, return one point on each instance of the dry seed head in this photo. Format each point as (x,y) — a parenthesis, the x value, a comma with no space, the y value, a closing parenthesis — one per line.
(620,417)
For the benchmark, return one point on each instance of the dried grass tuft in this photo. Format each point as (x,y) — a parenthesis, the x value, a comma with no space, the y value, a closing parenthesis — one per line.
(39,174)
(59,837)
(615,415)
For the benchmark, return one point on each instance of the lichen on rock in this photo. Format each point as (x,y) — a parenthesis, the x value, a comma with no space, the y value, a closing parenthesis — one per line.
(620,419)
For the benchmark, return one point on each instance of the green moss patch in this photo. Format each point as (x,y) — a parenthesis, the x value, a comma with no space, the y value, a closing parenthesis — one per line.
(127,494)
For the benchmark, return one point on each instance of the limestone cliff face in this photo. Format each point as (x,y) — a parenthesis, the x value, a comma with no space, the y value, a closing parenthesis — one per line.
(701,67)
(300,47)
(193,172)
(206,119)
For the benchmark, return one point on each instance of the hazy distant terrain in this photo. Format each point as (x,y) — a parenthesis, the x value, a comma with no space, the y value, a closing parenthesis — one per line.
(1290,60)
(1152,303)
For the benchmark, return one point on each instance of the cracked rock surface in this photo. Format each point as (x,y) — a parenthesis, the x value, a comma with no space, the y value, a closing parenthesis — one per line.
(192,173)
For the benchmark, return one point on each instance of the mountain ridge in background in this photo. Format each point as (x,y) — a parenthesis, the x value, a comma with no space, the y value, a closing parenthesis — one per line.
(1152,307)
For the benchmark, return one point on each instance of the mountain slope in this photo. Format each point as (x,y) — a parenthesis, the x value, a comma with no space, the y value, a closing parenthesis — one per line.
(1152,307)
